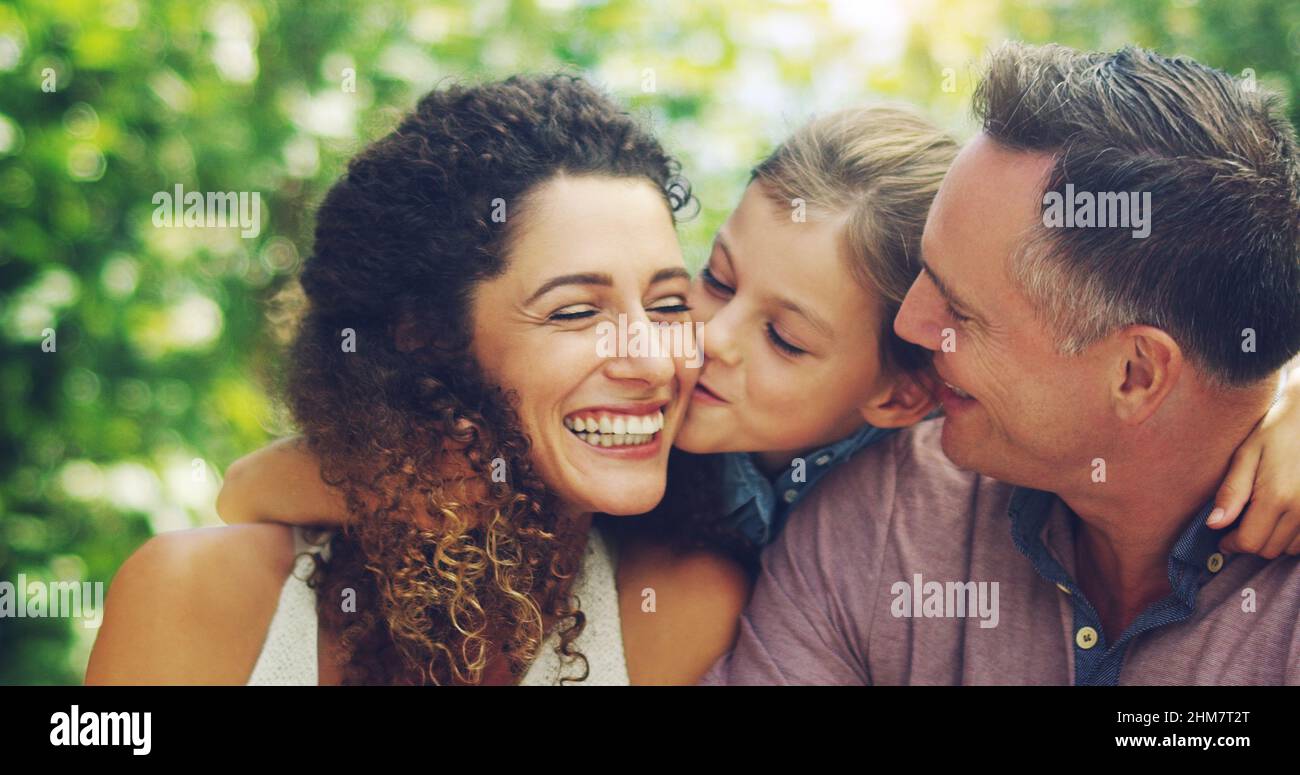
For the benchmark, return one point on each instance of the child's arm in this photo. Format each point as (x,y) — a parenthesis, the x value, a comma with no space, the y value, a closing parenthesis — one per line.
(1265,473)
(279,483)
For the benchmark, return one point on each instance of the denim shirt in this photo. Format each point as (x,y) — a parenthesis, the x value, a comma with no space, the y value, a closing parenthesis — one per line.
(1194,560)
(759,505)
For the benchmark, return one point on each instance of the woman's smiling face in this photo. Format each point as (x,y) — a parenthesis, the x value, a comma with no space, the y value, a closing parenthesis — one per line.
(791,340)
(589,249)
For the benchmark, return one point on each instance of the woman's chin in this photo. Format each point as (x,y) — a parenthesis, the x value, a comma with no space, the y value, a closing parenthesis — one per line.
(623,504)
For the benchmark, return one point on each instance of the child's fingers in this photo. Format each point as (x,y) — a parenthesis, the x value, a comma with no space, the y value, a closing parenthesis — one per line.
(1294,548)
(1254,529)
(1287,530)
(1234,493)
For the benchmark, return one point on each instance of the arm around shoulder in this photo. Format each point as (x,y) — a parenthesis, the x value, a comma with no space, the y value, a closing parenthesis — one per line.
(681,612)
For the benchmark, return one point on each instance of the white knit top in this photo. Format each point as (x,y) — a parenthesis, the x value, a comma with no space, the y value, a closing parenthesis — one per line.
(289,656)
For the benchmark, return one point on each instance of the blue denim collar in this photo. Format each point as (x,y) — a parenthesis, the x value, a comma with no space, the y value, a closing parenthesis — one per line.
(760,504)
(1188,567)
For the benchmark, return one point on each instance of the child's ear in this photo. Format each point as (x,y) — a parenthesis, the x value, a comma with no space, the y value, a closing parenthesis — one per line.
(903,399)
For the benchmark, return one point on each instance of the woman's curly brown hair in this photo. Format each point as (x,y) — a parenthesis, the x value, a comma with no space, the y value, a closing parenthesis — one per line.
(450,571)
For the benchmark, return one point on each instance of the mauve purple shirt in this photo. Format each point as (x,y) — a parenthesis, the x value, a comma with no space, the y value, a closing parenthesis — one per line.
(836,601)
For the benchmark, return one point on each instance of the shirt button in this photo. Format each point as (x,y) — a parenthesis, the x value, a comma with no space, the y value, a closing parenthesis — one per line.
(823,460)
(790,495)
(1086,637)
(1063,588)
(1215,562)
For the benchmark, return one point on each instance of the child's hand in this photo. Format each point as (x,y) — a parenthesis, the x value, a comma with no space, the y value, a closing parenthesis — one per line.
(279,483)
(1265,473)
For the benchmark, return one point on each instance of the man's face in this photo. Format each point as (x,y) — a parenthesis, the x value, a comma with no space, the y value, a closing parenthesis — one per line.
(1016,409)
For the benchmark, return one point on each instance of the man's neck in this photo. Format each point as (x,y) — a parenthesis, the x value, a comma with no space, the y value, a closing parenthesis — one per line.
(1160,477)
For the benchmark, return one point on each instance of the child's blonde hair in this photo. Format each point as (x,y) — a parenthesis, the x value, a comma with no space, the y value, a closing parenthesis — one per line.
(877,168)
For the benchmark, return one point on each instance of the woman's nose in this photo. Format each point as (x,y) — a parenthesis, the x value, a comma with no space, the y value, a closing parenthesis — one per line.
(645,352)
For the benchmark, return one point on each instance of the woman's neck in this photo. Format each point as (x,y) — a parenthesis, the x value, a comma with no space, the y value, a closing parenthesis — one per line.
(575,522)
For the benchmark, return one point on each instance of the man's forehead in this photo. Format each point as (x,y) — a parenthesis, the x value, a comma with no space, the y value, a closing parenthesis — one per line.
(990,189)
(988,165)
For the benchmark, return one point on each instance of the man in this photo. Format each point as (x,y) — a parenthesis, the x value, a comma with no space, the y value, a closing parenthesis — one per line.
(1111,290)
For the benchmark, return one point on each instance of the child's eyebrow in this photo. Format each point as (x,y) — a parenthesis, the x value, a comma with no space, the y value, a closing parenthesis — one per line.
(813,319)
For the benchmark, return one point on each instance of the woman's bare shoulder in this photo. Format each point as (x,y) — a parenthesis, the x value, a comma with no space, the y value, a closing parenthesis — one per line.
(192,606)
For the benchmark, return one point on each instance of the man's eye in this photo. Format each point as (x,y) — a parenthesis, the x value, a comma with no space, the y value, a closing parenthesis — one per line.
(954,314)
(713,282)
(781,343)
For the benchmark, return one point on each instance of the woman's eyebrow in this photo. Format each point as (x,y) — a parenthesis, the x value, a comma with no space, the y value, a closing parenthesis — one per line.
(602,279)
(670,273)
(581,278)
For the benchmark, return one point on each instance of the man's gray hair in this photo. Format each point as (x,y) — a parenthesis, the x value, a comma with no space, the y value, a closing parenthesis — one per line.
(1215,263)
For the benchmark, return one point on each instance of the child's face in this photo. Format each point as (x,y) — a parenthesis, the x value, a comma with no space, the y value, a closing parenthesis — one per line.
(791,340)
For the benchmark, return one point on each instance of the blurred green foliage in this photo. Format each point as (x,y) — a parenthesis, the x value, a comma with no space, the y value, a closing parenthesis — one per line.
(162,354)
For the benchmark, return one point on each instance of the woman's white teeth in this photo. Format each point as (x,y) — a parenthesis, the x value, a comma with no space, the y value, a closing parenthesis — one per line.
(960,393)
(616,430)
(610,440)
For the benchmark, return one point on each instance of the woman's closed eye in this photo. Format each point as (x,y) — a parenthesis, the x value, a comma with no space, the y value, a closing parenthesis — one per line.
(573,312)
(671,305)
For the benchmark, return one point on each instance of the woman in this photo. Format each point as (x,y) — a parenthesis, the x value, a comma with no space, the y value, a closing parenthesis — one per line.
(802,367)
(450,341)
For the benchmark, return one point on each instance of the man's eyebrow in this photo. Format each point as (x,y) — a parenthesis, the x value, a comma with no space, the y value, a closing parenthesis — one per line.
(946,291)
(581,278)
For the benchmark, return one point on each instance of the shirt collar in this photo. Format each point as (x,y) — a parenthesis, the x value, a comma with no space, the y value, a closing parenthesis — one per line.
(1189,557)
(745,483)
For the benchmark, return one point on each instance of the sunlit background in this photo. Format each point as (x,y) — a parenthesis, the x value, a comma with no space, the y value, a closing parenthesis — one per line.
(162,352)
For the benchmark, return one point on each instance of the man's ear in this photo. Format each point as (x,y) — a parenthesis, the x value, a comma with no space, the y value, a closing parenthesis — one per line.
(1148,365)
(902,399)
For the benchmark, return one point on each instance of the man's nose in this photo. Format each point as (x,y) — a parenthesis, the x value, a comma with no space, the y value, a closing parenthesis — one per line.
(918,320)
